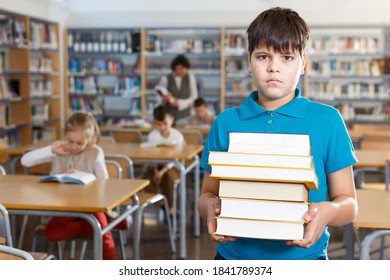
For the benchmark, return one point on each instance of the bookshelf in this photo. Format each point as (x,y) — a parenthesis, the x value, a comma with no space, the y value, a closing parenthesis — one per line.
(104,73)
(348,68)
(237,82)
(30,103)
(201,46)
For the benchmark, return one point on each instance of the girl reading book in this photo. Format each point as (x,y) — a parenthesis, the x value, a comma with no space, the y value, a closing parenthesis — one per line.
(77,152)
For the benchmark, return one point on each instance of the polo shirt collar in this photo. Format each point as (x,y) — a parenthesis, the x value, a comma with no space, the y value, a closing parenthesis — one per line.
(295,108)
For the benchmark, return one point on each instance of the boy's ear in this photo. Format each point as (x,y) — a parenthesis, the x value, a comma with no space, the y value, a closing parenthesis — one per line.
(304,60)
(249,64)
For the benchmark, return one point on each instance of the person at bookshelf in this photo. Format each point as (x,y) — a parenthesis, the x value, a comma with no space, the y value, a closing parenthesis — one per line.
(278,40)
(202,114)
(179,88)
(162,177)
(79,151)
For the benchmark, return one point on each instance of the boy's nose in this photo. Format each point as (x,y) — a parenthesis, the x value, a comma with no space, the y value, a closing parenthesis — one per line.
(273,66)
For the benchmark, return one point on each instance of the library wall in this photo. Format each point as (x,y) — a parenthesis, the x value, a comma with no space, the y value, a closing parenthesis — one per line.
(175,13)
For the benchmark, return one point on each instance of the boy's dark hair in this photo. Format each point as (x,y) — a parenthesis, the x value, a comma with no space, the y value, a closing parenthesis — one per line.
(280,29)
(180,60)
(160,112)
(200,102)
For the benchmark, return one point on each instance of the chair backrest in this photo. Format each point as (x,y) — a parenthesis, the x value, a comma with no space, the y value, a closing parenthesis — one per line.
(5,227)
(106,139)
(114,169)
(375,145)
(2,170)
(39,169)
(370,127)
(192,136)
(10,253)
(378,137)
(125,163)
(127,135)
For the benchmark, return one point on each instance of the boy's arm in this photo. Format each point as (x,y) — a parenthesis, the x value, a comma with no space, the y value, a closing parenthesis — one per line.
(341,210)
(209,206)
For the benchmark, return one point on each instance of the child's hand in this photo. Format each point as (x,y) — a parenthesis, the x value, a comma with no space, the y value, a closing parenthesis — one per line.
(61,149)
(214,209)
(316,218)
(158,175)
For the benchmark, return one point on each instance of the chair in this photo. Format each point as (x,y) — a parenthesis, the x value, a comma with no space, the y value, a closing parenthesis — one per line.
(10,253)
(366,244)
(106,139)
(127,135)
(7,251)
(193,136)
(146,199)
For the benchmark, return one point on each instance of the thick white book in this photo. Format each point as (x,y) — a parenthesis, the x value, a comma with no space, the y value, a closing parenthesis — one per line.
(266,174)
(260,229)
(77,177)
(267,160)
(263,209)
(264,190)
(270,143)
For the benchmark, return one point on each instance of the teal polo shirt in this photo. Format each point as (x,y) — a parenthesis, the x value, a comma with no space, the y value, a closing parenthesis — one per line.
(332,150)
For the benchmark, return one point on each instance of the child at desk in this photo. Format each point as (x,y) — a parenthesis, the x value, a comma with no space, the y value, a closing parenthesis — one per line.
(78,152)
(202,115)
(278,40)
(163,177)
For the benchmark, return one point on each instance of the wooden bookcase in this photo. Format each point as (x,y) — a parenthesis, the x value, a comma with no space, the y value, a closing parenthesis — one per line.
(348,68)
(30,103)
(104,73)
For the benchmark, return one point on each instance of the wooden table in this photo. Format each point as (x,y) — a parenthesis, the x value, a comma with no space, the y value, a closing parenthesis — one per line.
(24,195)
(165,154)
(374,213)
(372,160)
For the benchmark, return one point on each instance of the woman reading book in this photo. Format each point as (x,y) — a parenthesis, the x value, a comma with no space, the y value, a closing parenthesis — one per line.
(178,90)
(78,152)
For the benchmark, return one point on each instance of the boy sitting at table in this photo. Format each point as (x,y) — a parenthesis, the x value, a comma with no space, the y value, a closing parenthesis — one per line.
(163,176)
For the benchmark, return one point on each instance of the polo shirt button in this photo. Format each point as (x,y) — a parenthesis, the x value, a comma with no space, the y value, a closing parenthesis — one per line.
(269,122)
(272,114)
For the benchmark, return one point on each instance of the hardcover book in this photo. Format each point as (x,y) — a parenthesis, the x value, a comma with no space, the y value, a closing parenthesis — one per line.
(77,177)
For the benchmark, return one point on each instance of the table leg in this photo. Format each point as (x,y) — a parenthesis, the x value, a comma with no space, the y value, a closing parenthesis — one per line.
(196,199)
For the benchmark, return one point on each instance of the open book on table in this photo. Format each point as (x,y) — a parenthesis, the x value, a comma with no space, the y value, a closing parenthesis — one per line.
(77,177)
(158,143)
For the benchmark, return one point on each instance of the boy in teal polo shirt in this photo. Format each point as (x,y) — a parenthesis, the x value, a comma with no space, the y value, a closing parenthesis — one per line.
(278,41)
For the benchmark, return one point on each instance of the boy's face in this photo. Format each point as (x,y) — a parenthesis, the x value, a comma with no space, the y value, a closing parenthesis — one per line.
(201,111)
(164,126)
(275,75)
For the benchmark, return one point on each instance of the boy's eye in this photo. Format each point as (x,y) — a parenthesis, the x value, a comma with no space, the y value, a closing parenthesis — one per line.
(262,56)
(288,57)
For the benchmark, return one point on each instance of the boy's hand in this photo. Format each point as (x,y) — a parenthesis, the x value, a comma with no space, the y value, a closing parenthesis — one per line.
(214,209)
(316,218)
(61,149)
(158,175)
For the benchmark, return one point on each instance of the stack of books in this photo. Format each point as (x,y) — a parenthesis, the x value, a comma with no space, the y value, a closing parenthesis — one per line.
(264,183)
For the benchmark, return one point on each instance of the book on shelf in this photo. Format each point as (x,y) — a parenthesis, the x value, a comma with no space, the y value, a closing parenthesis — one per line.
(265,190)
(260,229)
(267,174)
(77,177)
(266,160)
(270,143)
(258,209)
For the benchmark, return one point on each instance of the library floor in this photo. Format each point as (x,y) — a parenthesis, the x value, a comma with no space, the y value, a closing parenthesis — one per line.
(155,243)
